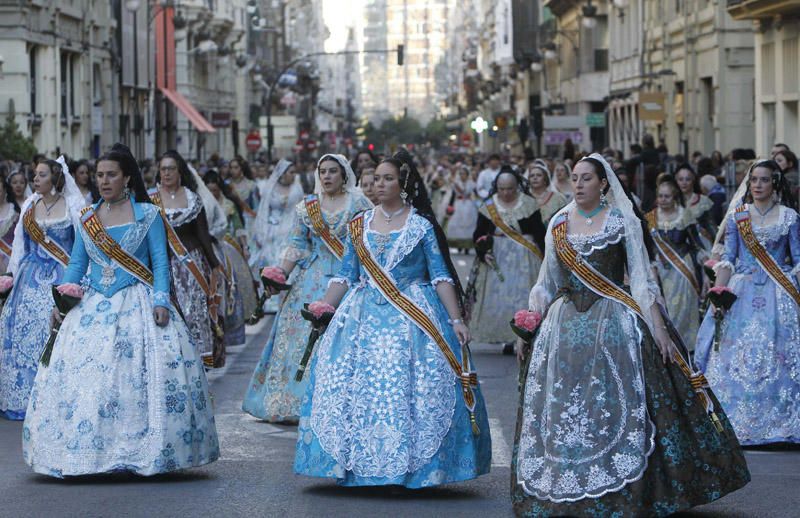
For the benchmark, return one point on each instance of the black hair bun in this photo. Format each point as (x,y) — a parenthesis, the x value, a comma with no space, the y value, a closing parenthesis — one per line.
(403,155)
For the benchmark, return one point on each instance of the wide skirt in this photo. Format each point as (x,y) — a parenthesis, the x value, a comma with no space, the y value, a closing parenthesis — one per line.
(683,303)
(273,393)
(688,462)
(383,406)
(120,394)
(232,306)
(497,301)
(756,372)
(24,328)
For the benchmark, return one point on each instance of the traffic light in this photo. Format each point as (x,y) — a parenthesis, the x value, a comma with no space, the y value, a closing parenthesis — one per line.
(400,51)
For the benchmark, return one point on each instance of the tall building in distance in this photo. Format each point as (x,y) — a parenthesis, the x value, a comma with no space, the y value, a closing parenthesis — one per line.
(418,88)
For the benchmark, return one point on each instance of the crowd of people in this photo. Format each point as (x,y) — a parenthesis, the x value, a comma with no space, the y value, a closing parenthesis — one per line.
(665,292)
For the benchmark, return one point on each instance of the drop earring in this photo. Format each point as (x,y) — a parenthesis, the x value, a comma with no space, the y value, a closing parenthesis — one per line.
(603,200)
(53,191)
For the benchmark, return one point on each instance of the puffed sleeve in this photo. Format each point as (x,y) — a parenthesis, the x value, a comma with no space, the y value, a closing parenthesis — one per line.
(159,259)
(298,244)
(78,262)
(728,259)
(204,236)
(437,268)
(350,270)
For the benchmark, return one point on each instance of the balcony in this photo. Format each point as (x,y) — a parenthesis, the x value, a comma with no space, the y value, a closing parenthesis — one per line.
(755,9)
(559,7)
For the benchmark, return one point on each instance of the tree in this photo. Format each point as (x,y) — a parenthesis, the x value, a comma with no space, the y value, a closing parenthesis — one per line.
(13,144)
(437,133)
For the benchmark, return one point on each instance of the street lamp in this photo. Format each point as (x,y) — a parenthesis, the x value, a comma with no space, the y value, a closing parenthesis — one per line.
(132,5)
(536,65)
(589,15)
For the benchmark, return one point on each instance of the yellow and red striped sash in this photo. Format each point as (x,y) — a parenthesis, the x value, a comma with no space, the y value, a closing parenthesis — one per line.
(599,284)
(321,228)
(509,231)
(669,254)
(177,247)
(413,312)
(52,248)
(109,246)
(765,260)
(5,249)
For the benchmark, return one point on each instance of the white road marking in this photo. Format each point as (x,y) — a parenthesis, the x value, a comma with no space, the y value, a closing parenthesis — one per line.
(501,453)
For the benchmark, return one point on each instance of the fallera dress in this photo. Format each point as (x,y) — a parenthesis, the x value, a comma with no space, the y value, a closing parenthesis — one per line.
(121,393)
(383,406)
(465,213)
(25,320)
(273,394)
(756,371)
(604,427)
(8,220)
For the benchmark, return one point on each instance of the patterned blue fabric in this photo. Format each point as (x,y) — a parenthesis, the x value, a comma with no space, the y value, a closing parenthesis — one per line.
(273,393)
(121,393)
(382,405)
(25,320)
(756,372)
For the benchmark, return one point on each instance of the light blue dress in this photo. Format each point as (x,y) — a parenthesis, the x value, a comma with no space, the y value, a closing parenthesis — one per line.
(273,394)
(25,320)
(121,393)
(383,405)
(756,372)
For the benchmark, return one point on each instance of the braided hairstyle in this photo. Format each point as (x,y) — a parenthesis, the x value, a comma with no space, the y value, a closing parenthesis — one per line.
(417,196)
(522,182)
(121,154)
(780,185)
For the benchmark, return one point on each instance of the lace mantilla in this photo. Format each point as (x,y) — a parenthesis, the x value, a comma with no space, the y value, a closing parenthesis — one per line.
(773,230)
(612,233)
(7,219)
(524,208)
(178,217)
(410,235)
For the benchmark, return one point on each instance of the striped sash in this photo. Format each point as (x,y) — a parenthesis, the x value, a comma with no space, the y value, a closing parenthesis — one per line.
(602,286)
(669,254)
(52,248)
(407,307)
(765,260)
(5,249)
(517,237)
(321,228)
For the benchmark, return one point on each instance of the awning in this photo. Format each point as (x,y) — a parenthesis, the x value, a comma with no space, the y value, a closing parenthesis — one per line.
(198,121)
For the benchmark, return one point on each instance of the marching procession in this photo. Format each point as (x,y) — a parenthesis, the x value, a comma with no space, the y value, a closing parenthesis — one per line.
(654,311)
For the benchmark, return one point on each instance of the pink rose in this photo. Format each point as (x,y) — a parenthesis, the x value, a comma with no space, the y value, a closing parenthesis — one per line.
(6,283)
(710,263)
(71,290)
(527,320)
(274,274)
(320,308)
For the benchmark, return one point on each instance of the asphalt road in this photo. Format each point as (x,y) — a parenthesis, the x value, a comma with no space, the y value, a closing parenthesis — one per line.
(254,478)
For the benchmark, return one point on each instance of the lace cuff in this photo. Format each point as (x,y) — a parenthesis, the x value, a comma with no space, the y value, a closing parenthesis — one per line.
(339,280)
(437,280)
(161,298)
(294,255)
(723,264)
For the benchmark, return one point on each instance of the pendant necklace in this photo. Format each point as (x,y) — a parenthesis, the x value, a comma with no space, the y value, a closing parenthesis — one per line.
(172,194)
(761,214)
(588,217)
(49,208)
(387,216)
(111,204)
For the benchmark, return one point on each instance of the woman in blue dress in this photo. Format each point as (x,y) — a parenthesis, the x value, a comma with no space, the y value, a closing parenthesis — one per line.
(43,238)
(386,404)
(756,369)
(311,257)
(125,388)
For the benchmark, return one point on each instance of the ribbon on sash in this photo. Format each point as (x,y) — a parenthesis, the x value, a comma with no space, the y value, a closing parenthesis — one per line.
(52,248)
(669,254)
(517,237)
(182,254)
(758,251)
(315,215)
(407,307)
(603,287)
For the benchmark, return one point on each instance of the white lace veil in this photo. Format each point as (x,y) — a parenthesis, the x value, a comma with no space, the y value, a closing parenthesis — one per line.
(350,181)
(74,200)
(217,221)
(639,274)
(737,198)
(262,224)
(542,165)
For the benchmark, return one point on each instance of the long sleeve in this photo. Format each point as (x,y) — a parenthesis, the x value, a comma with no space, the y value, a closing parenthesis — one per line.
(731,246)
(350,270)
(437,268)
(204,236)
(484,227)
(484,183)
(533,226)
(78,262)
(159,259)
(298,244)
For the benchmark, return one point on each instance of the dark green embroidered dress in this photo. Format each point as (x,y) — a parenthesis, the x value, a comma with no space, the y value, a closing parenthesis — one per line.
(604,427)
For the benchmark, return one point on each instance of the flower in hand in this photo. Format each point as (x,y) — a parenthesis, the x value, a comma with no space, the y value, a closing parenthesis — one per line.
(6,282)
(320,308)
(711,263)
(450,210)
(71,290)
(274,273)
(527,320)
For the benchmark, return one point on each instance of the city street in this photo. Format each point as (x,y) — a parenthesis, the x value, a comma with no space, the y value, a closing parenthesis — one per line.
(255,478)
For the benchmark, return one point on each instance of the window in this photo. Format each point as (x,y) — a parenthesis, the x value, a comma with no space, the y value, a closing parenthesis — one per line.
(64,86)
(32,77)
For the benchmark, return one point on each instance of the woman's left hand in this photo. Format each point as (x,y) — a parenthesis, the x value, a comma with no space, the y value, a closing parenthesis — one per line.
(161,315)
(462,332)
(664,343)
